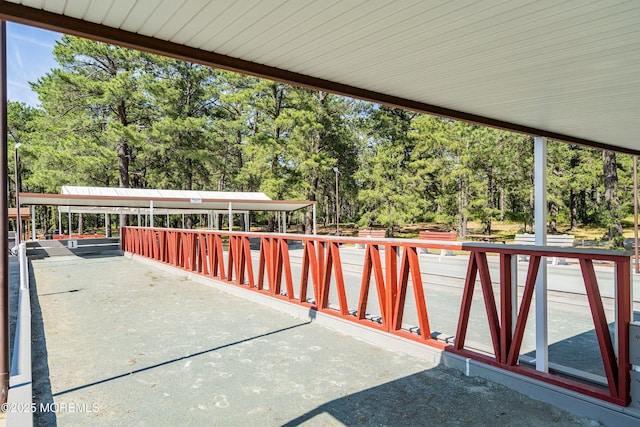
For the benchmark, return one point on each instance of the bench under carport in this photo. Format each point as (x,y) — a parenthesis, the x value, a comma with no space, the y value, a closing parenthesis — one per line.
(557,240)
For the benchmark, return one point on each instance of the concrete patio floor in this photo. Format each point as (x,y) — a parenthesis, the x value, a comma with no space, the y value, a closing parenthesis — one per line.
(120,342)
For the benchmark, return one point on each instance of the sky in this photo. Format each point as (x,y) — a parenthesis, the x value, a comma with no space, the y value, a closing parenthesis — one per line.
(29,57)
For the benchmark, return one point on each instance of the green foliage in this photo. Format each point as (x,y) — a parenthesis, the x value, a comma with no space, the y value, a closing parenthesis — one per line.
(111,116)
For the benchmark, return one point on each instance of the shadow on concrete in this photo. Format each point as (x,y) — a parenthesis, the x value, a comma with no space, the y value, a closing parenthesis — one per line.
(438,396)
(42,395)
(61,292)
(178,359)
(41,249)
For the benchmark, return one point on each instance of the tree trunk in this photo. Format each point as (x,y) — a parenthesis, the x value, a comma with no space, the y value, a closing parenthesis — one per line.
(462,209)
(610,168)
(553,215)
(573,210)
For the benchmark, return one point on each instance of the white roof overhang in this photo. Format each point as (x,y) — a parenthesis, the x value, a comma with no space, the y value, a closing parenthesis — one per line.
(566,70)
(131,204)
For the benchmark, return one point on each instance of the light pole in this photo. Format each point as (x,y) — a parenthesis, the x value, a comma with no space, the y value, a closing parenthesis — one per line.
(337,171)
(17,177)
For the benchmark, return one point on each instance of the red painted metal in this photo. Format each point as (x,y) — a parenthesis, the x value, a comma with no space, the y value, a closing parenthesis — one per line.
(601,326)
(202,252)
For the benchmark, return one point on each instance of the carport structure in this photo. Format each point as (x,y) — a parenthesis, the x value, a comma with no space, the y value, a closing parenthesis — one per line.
(151,202)
(568,71)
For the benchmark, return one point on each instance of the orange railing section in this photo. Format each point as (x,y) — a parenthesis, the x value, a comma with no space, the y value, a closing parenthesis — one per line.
(229,257)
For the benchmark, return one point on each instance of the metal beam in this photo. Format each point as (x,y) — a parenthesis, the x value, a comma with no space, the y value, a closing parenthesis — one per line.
(4,222)
(540,194)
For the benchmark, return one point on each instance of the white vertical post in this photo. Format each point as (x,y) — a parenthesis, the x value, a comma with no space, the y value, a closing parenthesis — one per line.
(514,292)
(216,221)
(139,217)
(33,222)
(59,221)
(182,220)
(230,217)
(151,213)
(246,222)
(69,215)
(314,219)
(284,222)
(540,193)
(168,224)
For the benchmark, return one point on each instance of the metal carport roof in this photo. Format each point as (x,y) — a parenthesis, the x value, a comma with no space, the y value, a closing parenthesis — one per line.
(177,204)
(567,70)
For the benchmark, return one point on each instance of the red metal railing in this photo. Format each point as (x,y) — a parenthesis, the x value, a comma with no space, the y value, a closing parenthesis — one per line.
(203,252)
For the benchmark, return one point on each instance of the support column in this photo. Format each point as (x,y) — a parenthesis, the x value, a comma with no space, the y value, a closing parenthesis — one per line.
(216,221)
(4,222)
(33,223)
(540,194)
(230,217)
(314,220)
(284,222)
(139,217)
(60,222)
(69,216)
(246,222)
(182,220)
(151,213)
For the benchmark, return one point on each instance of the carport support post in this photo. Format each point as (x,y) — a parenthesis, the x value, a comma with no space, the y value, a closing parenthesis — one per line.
(314,219)
(69,216)
(151,213)
(230,217)
(247,226)
(4,222)
(540,196)
(59,221)
(33,222)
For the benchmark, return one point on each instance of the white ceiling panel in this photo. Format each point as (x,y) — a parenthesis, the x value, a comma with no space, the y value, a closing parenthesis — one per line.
(565,68)
(98,10)
(76,8)
(180,18)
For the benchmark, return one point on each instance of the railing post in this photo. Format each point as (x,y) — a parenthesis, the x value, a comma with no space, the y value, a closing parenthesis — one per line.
(391,282)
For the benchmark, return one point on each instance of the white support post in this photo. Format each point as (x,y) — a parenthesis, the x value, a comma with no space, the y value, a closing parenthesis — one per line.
(59,221)
(314,220)
(151,213)
(69,215)
(230,217)
(139,217)
(514,292)
(182,220)
(216,221)
(284,222)
(540,194)
(168,224)
(33,223)
(246,222)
